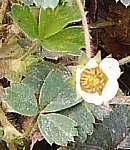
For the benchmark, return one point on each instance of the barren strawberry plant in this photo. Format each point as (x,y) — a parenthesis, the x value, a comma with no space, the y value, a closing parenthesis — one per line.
(64,68)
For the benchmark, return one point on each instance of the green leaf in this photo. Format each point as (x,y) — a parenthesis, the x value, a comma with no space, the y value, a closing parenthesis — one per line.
(113,129)
(52,21)
(84,118)
(118,122)
(57,128)
(62,101)
(112,133)
(69,40)
(57,94)
(22,15)
(46,3)
(19,142)
(36,75)
(50,89)
(101,112)
(101,139)
(21,99)
(37,79)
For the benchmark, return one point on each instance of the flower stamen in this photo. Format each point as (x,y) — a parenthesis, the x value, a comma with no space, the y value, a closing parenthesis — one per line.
(93,80)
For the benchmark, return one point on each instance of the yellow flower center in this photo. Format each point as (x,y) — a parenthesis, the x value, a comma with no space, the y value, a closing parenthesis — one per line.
(93,80)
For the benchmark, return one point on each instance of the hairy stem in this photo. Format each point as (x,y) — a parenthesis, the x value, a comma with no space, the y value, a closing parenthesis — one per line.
(86,30)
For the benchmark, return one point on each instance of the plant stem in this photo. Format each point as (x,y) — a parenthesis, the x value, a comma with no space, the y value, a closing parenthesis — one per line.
(30,127)
(3,10)
(86,30)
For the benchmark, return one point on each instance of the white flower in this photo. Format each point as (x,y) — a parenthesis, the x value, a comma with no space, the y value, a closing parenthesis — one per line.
(97,83)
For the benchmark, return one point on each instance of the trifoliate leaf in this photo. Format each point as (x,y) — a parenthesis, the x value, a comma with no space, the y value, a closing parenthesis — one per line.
(22,15)
(110,133)
(57,128)
(21,99)
(84,118)
(52,21)
(112,130)
(69,40)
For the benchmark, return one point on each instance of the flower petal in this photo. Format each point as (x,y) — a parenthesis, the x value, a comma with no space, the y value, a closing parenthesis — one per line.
(110,90)
(110,67)
(94,98)
(78,72)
